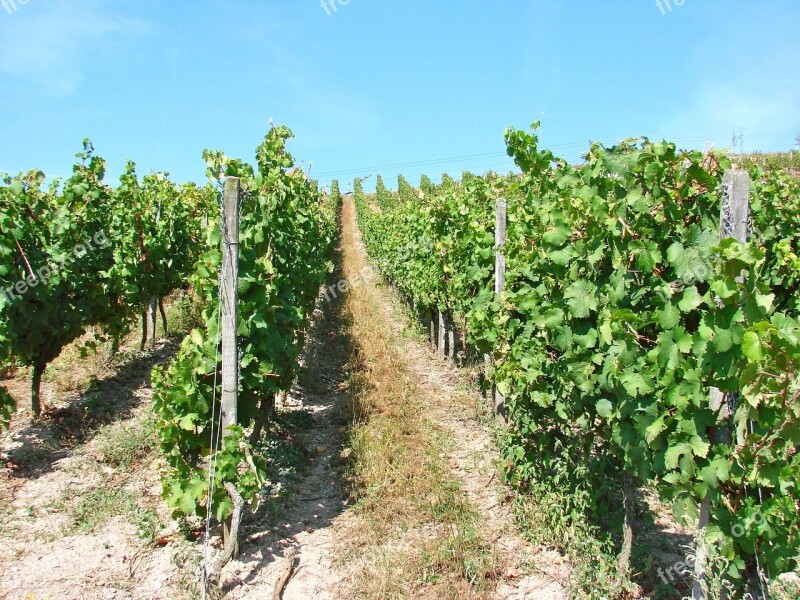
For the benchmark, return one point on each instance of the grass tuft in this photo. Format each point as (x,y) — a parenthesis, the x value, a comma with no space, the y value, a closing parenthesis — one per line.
(90,511)
(420,535)
(122,446)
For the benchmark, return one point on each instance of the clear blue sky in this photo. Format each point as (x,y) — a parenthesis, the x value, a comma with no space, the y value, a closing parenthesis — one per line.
(387,82)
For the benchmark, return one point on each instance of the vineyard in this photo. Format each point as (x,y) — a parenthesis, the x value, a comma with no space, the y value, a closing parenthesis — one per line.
(81,256)
(632,320)
(622,312)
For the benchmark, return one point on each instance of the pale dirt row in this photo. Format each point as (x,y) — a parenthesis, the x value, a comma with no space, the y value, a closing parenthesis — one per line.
(314,525)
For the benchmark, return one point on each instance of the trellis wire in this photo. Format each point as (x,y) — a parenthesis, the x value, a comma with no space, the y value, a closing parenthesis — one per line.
(215,429)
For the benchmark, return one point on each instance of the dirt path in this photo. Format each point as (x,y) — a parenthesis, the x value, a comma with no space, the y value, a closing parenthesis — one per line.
(532,573)
(471,455)
(302,542)
(474,461)
(77,525)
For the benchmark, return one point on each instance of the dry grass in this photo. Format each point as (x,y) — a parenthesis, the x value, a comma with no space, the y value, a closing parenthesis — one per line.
(418,535)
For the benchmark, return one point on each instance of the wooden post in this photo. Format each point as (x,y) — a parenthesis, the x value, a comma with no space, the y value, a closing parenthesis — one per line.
(451,339)
(735,217)
(499,244)
(144,329)
(440,349)
(734,223)
(500,273)
(230,277)
(431,328)
(230,350)
(699,585)
(154,299)
(628,500)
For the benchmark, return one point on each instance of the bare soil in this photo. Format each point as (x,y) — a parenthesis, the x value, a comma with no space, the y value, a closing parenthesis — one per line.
(49,466)
(301,543)
(50,548)
(458,408)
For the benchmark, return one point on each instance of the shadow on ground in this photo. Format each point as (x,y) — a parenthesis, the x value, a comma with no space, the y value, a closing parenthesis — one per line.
(35,447)
(318,495)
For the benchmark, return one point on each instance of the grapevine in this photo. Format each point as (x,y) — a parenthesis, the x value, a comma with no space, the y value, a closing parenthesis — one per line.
(622,310)
(287,233)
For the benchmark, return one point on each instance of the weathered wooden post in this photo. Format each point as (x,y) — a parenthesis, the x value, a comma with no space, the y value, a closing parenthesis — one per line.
(500,272)
(734,223)
(440,349)
(500,243)
(230,351)
(451,339)
(154,299)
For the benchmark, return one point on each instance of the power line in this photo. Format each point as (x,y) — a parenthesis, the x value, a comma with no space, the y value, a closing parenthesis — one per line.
(335,174)
(418,163)
(433,161)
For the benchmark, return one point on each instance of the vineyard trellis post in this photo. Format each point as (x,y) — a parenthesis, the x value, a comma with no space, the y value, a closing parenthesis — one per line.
(734,223)
(441,335)
(231,198)
(451,338)
(155,300)
(500,272)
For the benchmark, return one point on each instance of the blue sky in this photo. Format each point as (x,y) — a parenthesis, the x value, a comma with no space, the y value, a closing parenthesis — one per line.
(410,86)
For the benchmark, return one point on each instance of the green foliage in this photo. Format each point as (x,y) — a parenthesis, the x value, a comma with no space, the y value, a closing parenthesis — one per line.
(287,235)
(81,254)
(437,245)
(777,161)
(122,445)
(383,197)
(622,310)
(775,204)
(426,186)
(405,192)
(157,231)
(555,516)
(55,262)
(336,194)
(90,511)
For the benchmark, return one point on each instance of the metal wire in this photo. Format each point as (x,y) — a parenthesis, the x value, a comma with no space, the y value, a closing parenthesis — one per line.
(732,398)
(759,570)
(215,430)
